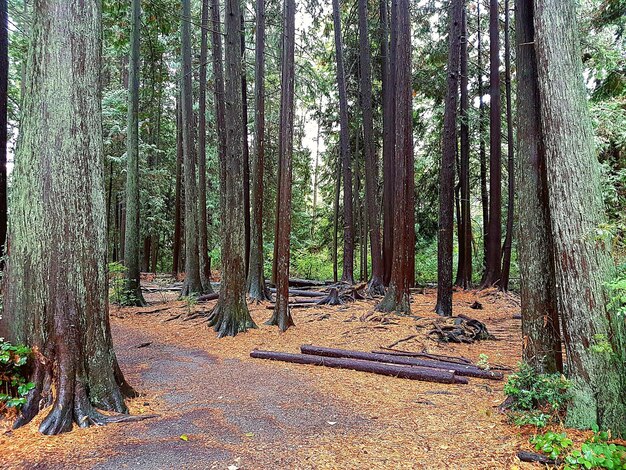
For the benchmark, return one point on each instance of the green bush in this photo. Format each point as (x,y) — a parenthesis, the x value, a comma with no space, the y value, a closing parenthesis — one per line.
(118,294)
(13,384)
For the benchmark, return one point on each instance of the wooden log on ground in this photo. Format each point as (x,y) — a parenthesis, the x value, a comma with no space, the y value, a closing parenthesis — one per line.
(306,283)
(208,297)
(413,373)
(435,357)
(302,293)
(295,305)
(533,457)
(459,369)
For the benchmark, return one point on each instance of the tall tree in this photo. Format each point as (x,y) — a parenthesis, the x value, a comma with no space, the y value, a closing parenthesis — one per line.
(344,147)
(205,262)
(4,96)
(446,178)
(493,265)
(178,197)
(594,336)
(256,276)
(282,315)
(508,238)
(397,297)
(55,291)
(464,266)
(371,164)
(231,316)
(246,147)
(193,283)
(132,234)
(540,319)
(482,148)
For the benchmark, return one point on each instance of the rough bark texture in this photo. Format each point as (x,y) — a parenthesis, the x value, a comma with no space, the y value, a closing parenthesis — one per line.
(482,150)
(257,289)
(336,220)
(397,296)
(371,164)
(540,319)
(594,338)
(246,148)
(446,173)
(231,314)
(178,198)
(4,83)
(493,265)
(55,291)
(344,147)
(132,234)
(282,315)
(193,283)
(205,263)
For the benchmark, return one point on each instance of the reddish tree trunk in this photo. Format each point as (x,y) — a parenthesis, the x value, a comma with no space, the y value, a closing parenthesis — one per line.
(246,147)
(178,203)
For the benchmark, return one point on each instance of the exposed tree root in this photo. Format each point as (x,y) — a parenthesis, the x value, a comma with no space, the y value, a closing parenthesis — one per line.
(231,322)
(376,288)
(395,302)
(332,298)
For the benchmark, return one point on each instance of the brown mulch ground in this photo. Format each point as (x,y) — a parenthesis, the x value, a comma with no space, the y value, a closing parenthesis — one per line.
(237,412)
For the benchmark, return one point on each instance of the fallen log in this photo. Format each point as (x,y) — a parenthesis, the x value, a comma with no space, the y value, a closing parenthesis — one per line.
(208,297)
(533,457)
(306,283)
(302,293)
(435,357)
(459,369)
(413,373)
(295,305)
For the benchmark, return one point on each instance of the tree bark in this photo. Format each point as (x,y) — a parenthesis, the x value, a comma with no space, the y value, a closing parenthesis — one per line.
(336,221)
(484,193)
(540,318)
(133,234)
(178,203)
(344,146)
(446,179)
(55,288)
(282,315)
(594,336)
(257,289)
(4,96)
(231,316)
(246,148)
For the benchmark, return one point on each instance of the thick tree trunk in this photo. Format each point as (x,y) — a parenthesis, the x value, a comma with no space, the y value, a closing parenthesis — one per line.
(132,235)
(594,337)
(344,146)
(231,315)
(482,150)
(446,178)
(246,147)
(205,263)
(4,84)
(256,277)
(371,165)
(493,267)
(508,239)
(397,297)
(540,318)
(282,315)
(193,283)
(55,291)
(178,202)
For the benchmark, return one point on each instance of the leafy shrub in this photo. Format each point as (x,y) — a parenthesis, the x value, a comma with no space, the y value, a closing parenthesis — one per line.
(535,398)
(118,294)
(13,385)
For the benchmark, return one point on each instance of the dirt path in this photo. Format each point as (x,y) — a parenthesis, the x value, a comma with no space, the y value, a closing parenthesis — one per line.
(237,412)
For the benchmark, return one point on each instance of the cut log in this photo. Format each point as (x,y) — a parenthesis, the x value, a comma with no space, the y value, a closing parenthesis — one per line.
(295,305)
(306,283)
(526,456)
(208,297)
(302,293)
(413,373)
(435,357)
(459,369)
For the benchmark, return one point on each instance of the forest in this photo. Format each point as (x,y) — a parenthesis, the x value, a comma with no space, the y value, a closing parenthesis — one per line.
(250,234)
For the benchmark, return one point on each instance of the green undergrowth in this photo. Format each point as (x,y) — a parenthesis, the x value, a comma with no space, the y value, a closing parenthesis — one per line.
(13,384)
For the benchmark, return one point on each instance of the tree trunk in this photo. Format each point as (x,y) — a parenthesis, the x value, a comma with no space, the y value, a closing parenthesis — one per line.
(178,203)
(446,181)
(55,289)
(193,283)
(493,269)
(246,148)
(371,165)
(398,296)
(344,146)
(388,143)
(594,336)
(205,263)
(282,315)
(132,234)
(257,289)
(540,318)
(484,194)
(230,316)
(4,95)
(336,222)
(508,239)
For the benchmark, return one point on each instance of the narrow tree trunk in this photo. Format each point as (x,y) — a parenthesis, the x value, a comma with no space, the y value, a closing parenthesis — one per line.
(540,318)
(230,316)
(246,148)
(132,235)
(316,172)
(205,264)
(398,296)
(493,269)
(484,194)
(336,222)
(257,289)
(282,315)
(4,95)
(446,181)
(344,146)
(178,203)
(594,336)
(508,239)
(371,165)
(55,289)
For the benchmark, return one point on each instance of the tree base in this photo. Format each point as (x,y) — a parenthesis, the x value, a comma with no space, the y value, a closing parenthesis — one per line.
(230,321)
(394,301)
(376,288)
(281,318)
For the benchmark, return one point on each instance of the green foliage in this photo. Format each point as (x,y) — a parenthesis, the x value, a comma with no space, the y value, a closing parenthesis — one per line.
(596,452)
(536,399)
(13,384)
(617,293)
(118,294)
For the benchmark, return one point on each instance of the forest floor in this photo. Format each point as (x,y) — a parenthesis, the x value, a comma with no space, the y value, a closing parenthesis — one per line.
(219,409)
